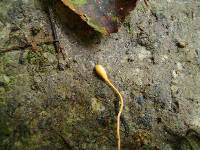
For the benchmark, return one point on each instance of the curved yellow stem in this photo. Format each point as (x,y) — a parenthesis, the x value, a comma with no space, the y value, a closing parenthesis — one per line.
(101,72)
(119,114)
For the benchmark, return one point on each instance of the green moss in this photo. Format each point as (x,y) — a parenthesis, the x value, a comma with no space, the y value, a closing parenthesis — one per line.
(127,25)
(35,58)
(4,79)
(48,48)
(79,2)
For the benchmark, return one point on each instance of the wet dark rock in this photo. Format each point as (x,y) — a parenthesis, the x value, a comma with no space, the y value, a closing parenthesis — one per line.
(45,108)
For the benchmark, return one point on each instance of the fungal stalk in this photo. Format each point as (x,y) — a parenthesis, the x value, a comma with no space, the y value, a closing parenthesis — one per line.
(102,73)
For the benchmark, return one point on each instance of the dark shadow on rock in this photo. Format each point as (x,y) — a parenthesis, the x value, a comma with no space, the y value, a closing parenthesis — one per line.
(71,24)
(124,7)
(74,27)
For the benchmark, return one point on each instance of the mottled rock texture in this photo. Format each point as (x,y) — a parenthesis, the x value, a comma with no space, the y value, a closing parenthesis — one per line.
(154,60)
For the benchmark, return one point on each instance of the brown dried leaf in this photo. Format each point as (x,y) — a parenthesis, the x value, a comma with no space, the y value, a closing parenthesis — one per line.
(103,15)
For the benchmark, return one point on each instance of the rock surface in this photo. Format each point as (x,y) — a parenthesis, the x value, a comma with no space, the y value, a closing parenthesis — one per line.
(154,60)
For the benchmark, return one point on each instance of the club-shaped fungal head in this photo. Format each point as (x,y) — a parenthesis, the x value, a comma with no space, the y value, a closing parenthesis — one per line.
(101,72)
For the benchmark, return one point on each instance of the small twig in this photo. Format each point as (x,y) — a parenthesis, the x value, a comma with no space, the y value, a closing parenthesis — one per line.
(57,44)
(14,48)
(18,47)
(146,3)
(66,142)
(53,27)
(21,60)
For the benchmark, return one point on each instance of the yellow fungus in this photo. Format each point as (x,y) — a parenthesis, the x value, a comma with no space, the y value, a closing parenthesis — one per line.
(102,73)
